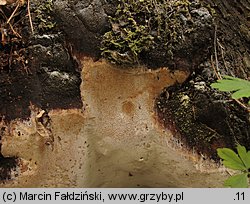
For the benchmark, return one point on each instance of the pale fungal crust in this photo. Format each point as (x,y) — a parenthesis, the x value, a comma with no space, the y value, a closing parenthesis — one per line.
(115,142)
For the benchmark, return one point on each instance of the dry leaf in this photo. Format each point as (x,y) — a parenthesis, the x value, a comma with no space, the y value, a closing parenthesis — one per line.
(3,2)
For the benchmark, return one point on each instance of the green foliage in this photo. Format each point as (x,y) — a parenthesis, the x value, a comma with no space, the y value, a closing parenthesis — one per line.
(240,161)
(231,159)
(239,87)
(237,181)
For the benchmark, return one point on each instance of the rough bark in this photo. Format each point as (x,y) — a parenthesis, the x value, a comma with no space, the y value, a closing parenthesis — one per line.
(41,74)
(233,35)
(199,115)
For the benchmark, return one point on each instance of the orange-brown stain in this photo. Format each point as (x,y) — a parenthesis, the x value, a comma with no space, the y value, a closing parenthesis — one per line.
(128,107)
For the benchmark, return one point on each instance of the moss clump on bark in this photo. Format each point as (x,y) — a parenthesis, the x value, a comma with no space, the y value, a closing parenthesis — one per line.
(44,19)
(139,26)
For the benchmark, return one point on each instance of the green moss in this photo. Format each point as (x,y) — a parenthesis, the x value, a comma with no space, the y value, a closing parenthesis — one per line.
(210,9)
(43,16)
(196,135)
(141,25)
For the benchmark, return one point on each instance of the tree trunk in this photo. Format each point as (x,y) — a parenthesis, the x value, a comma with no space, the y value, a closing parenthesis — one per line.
(98,97)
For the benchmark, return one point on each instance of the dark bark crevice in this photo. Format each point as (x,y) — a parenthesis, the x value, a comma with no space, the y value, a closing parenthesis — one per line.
(202,118)
(234,36)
